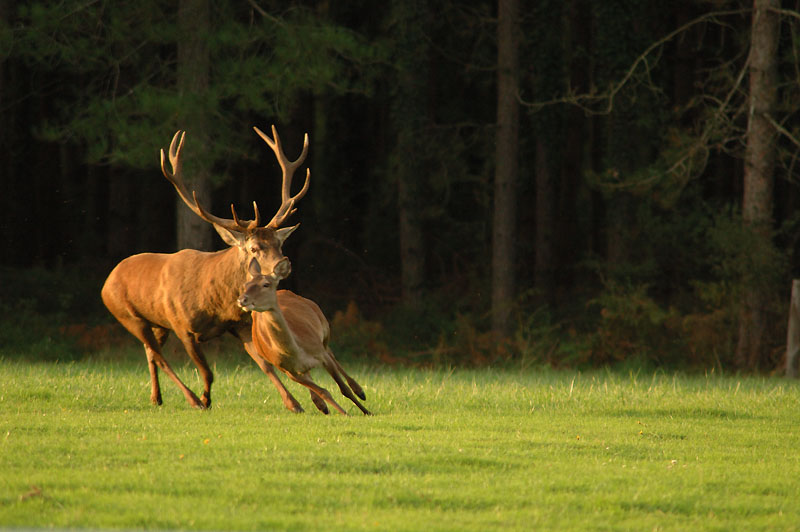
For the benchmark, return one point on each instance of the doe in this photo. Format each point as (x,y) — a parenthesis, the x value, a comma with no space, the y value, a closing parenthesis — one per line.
(292,334)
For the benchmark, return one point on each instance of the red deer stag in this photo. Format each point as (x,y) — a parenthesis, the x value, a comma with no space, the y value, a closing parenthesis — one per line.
(291,333)
(194,293)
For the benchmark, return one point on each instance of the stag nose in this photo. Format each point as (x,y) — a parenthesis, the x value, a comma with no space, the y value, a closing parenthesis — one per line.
(243,301)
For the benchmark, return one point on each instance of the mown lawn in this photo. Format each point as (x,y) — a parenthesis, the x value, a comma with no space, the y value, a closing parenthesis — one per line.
(536,449)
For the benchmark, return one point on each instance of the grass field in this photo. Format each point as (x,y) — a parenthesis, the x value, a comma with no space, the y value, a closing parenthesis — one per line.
(534,449)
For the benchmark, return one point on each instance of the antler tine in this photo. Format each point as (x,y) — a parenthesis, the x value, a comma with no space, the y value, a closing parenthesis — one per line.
(231,225)
(236,217)
(175,148)
(174,158)
(287,207)
(176,175)
(228,224)
(176,178)
(286,190)
(288,169)
(257,214)
(252,224)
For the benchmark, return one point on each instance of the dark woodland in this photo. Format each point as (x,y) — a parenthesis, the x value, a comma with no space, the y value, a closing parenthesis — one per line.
(571,182)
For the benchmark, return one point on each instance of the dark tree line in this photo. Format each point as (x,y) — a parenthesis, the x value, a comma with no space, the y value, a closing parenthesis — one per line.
(623,173)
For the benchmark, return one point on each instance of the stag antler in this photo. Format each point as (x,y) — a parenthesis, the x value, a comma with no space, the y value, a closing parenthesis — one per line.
(176,178)
(288,168)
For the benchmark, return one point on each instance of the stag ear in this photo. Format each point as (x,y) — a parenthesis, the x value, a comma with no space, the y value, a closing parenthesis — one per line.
(283,234)
(254,268)
(282,269)
(232,238)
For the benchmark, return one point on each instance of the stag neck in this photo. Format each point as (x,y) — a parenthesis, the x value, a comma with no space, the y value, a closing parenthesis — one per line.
(229,266)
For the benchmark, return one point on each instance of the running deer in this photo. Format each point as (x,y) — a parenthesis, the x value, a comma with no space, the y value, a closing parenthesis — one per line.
(193,293)
(291,332)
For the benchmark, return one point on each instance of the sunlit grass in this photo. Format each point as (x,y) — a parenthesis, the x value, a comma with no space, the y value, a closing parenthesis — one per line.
(81,447)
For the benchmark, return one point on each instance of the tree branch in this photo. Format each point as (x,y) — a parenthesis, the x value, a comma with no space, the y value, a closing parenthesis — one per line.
(611,93)
(782,130)
(263,13)
(785,12)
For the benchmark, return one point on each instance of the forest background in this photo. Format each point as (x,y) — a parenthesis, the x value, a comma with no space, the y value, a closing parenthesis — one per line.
(560,182)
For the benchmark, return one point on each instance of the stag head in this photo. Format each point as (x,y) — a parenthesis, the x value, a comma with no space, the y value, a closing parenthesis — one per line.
(254,240)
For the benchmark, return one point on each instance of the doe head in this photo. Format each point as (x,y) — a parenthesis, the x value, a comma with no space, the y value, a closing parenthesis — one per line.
(260,292)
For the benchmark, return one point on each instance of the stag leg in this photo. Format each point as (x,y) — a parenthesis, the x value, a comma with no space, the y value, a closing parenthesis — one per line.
(152,347)
(331,366)
(199,359)
(162,363)
(305,380)
(155,387)
(160,334)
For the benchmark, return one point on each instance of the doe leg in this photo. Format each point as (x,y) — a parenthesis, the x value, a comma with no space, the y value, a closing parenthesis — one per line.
(351,381)
(288,399)
(306,381)
(331,368)
(319,403)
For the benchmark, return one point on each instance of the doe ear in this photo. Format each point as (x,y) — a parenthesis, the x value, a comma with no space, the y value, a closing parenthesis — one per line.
(282,269)
(254,267)
(283,234)
(230,237)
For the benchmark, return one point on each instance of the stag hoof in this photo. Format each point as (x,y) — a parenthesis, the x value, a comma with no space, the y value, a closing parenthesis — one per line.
(296,408)
(156,400)
(193,401)
(206,400)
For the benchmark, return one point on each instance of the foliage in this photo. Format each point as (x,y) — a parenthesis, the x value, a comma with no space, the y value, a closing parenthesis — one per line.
(353,336)
(632,325)
(82,448)
(122,59)
(38,305)
(639,106)
(744,256)
(706,260)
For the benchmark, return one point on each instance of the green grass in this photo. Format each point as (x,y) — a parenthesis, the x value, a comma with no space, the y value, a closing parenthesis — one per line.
(81,447)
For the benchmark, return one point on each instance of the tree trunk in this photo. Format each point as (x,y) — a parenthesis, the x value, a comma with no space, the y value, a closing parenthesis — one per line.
(7,161)
(545,219)
(759,163)
(506,169)
(409,116)
(569,243)
(793,331)
(192,80)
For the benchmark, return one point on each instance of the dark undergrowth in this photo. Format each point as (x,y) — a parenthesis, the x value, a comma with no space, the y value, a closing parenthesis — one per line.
(48,315)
